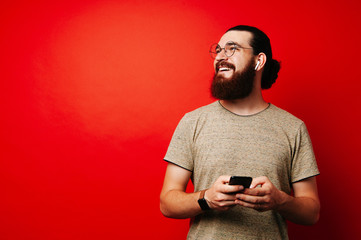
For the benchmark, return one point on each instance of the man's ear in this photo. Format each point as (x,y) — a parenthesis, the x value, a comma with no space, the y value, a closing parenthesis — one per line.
(260,61)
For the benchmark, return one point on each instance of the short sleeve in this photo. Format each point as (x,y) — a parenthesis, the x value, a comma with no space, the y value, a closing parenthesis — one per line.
(180,148)
(304,163)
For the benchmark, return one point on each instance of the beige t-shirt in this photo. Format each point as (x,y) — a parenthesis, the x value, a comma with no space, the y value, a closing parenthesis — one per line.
(212,141)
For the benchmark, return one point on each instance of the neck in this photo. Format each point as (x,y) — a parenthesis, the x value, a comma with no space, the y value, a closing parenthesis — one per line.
(250,105)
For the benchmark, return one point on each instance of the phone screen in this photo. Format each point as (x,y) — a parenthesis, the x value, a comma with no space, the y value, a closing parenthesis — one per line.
(240,180)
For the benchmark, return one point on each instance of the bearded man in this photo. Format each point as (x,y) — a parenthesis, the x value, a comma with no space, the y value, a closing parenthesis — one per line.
(241,135)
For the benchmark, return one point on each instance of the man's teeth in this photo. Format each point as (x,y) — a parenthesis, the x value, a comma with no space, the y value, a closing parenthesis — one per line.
(224,69)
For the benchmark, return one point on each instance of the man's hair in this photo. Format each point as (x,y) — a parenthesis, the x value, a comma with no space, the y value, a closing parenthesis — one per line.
(261,43)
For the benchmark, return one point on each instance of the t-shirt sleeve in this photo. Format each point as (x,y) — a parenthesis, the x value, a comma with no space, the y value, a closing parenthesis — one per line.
(180,148)
(304,163)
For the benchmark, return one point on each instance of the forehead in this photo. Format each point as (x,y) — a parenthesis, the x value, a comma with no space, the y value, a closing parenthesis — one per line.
(241,37)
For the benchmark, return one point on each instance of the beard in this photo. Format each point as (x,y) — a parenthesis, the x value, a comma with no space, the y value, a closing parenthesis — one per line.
(239,86)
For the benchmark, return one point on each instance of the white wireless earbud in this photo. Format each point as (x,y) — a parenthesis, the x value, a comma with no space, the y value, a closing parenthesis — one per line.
(257,65)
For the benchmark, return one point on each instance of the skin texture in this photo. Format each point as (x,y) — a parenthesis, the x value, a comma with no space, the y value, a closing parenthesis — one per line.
(302,208)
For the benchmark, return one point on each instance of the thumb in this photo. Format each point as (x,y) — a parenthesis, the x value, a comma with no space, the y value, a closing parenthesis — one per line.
(258,181)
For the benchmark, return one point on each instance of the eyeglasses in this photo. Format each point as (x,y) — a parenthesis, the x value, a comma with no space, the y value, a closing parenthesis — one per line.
(229,49)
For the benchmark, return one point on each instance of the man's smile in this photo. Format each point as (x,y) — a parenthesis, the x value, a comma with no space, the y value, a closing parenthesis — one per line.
(224,67)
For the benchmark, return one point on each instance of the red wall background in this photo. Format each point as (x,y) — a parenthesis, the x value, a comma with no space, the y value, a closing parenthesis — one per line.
(91,92)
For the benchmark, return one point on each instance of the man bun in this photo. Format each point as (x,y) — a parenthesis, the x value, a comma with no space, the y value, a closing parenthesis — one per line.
(270,74)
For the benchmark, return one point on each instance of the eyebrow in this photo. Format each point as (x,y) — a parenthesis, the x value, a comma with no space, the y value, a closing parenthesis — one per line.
(232,42)
(237,44)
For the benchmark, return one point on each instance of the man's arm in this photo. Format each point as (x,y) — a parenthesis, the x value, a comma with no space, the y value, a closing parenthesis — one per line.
(176,203)
(302,208)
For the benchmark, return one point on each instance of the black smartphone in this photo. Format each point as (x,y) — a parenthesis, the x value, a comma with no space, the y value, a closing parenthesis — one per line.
(238,180)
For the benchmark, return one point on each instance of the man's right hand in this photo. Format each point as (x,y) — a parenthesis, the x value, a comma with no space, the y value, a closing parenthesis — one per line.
(222,196)
(175,202)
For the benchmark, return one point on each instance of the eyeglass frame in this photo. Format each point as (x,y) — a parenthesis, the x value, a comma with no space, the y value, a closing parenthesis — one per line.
(229,43)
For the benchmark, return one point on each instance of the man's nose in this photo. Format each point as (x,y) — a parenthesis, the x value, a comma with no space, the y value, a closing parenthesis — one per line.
(221,55)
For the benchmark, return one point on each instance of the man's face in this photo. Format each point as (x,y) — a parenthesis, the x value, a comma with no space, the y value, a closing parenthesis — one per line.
(234,75)
(226,67)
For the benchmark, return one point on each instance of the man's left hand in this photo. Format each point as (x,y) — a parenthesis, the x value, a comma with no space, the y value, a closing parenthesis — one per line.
(263,198)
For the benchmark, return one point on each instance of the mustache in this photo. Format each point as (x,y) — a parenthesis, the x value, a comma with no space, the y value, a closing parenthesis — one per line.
(224,64)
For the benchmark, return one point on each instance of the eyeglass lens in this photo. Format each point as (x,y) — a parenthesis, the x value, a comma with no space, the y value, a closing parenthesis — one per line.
(229,49)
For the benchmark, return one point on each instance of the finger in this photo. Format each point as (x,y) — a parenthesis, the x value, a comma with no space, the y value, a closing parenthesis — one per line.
(250,199)
(229,197)
(225,208)
(255,191)
(258,181)
(224,197)
(224,179)
(232,188)
(223,186)
(223,204)
(227,203)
